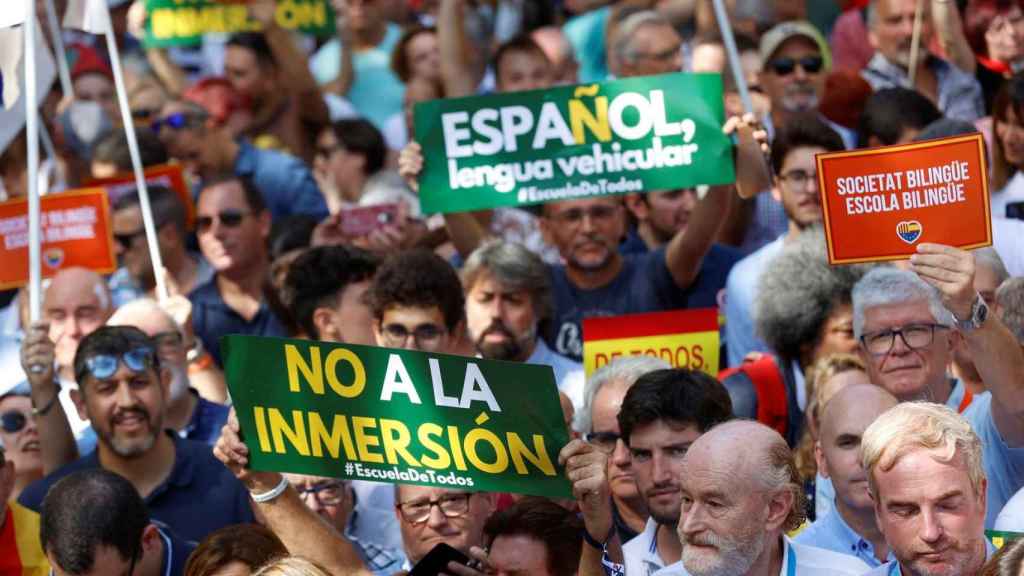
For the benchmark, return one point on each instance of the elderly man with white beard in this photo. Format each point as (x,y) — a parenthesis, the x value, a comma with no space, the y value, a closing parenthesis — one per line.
(740,495)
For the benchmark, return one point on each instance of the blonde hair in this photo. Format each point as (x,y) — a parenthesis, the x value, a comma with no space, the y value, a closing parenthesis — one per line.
(921,425)
(817,376)
(291,566)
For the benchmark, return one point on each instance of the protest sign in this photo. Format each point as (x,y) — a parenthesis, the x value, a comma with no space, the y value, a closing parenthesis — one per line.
(367,413)
(880,203)
(183,22)
(1000,538)
(167,175)
(75,232)
(631,135)
(683,338)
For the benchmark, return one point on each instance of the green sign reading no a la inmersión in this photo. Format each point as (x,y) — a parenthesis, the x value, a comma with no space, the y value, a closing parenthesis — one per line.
(184,22)
(366,413)
(631,135)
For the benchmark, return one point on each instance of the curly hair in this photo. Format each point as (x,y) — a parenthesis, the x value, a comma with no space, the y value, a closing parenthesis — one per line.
(417,278)
(797,293)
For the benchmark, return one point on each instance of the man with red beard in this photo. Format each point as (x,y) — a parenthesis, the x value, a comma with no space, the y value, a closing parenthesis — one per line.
(740,495)
(124,394)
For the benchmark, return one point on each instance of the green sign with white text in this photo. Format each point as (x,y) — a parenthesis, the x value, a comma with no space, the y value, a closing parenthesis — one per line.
(631,135)
(183,22)
(401,416)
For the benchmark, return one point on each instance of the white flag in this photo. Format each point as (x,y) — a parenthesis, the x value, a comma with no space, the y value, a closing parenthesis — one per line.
(13,14)
(11,45)
(12,119)
(89,16)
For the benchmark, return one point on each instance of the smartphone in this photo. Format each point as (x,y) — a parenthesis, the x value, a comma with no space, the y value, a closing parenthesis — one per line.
(1015,210)
(362,220)
(436,561)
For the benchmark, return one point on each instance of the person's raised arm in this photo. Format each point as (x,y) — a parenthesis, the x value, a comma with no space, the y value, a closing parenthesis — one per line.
(950,32)
(995,352)
(347,74)
(586,467)
(456,74)
(170,75)
(301,530)
(291,64)
(56,442)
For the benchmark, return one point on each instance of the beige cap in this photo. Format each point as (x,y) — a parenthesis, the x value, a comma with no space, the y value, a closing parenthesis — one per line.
(772,39)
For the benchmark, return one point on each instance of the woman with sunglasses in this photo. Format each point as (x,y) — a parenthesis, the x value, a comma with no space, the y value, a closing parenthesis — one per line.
(20,437)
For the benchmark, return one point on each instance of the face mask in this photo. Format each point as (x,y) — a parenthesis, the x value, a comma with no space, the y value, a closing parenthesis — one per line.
(84,123)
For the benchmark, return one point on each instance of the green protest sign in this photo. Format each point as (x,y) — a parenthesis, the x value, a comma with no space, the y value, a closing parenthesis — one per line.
(1001,538)
(366,413)
(631,135)
(183,22)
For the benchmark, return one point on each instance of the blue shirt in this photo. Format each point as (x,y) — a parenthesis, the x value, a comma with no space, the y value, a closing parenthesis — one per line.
(207,420)
(831,532)
(892,568)
(740,297)
(285,182)
(176,552)
(199,496)
(643,285)
(213,318)
(586,35)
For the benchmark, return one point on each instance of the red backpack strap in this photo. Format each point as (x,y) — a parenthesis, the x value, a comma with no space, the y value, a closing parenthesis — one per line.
(772,405)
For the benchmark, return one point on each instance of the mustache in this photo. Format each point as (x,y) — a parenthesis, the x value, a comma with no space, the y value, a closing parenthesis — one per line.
(121,415)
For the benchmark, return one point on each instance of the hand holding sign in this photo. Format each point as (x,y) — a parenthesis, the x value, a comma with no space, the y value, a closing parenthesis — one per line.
(410,164)
(951,271)
(37,355)
(752,175)
(234,454)
(586,467)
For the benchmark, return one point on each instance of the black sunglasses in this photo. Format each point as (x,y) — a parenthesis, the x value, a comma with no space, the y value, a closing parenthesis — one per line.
(13,421)
(786,66)
(227,218)
(126,240)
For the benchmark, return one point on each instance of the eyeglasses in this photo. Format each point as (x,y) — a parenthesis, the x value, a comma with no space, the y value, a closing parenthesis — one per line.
(603,441)
(451,505)
(799,179)
(600,213)
(398,335)
(227,218)
(144,113)
(175,121)
(13,421)
(914,336)
(126,240)
(786,66)
(663,56)
(103,366)
(326,151)
(327,494)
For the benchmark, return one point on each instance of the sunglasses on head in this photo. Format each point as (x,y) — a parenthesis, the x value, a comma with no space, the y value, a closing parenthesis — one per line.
(227,218)
(103,366)
(175,121)
(786,66)
(13,421)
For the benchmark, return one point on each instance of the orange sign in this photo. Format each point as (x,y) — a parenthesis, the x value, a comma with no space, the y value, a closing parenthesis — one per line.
(880,203)
(167,175)
(75,232)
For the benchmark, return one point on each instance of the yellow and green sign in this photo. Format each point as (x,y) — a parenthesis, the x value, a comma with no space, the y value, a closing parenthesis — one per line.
(683,338)
(183,22)
(402,416)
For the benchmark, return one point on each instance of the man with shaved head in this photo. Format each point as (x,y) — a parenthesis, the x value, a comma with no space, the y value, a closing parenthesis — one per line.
(849,527)
(740,495)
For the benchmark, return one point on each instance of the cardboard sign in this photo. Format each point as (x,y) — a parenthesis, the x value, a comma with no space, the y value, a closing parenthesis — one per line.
(683,338)
(632,135)
(168,175)
(75,232)
(367,413)
(880,203)
(183,22)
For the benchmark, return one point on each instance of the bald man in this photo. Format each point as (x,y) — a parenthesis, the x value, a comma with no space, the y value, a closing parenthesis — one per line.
(740,495)
(850,526)
(188,414)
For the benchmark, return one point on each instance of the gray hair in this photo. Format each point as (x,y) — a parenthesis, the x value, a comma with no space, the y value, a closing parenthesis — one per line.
(887,285)
(989,258)
(1010,299)
(514,267)
(626,369)
(797,293)
(627,29)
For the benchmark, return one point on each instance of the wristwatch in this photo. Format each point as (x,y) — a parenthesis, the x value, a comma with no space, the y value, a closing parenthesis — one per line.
(979,313)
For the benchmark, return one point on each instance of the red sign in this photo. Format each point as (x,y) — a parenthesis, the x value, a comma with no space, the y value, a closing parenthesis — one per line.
(75,229)
(880,203)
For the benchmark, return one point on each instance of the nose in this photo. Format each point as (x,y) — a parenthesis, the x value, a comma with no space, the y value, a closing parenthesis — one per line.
(661,473)
(690,519)
(72,327)
(899,345)
(620,456)
(437,519)
(931,529)
(125,398)
(312,502)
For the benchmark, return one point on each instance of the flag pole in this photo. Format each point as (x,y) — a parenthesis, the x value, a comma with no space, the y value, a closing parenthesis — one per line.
(58,47)
(32,137)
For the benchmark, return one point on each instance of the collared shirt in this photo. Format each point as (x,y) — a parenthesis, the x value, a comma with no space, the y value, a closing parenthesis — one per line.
(892,568)
(568,374)
(799,560)
(213,318)
(380,560)
(207,420)
(199,496)
(831,532)
(176,552)
(959,93)
(640,555)
(285,182)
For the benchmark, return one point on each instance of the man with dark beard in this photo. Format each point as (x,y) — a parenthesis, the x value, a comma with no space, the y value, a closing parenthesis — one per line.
(508,295)
(124,393)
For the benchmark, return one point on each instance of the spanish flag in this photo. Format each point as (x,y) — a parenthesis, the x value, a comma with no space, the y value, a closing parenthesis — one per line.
(20,552)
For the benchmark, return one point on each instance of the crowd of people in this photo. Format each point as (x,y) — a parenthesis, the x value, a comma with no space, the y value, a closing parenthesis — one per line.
(866,418)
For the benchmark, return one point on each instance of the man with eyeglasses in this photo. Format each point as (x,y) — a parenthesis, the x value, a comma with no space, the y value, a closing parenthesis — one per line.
(124,392)
(905,322)
(93,523)
(956,93)
(646,43)
(232,223)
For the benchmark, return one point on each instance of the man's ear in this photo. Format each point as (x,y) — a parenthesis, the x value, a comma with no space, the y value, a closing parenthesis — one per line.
(819,457)
(165,377)
(777,190)
(779,507)
(378,332)
(323,320)
(546,232)
(637,206)
(78,398)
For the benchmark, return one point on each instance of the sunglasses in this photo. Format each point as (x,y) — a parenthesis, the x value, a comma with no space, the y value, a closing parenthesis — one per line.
(126,240)
(786,66)
(13,421)
(103,366)
(227,218)
(175,121)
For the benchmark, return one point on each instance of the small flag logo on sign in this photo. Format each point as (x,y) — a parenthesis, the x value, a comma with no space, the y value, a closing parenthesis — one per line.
(909,231)
(54,257)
